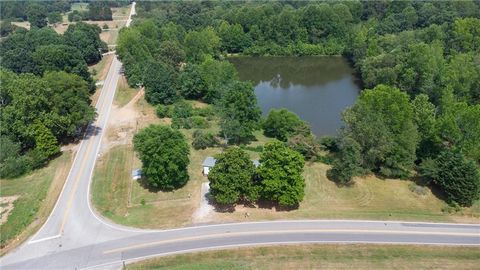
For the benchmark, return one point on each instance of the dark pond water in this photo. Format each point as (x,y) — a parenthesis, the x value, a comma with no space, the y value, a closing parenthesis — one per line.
(318,89)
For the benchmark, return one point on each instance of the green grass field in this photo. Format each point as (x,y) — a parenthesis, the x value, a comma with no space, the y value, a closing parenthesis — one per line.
(33,205)
(321,257)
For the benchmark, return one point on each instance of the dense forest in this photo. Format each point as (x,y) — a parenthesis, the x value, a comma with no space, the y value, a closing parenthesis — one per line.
(418,62)
(45,93)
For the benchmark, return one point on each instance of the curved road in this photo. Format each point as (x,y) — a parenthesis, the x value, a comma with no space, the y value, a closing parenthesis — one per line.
(75,237)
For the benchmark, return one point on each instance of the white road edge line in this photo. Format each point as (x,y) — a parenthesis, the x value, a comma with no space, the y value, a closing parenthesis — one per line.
(266,244)
(44,239)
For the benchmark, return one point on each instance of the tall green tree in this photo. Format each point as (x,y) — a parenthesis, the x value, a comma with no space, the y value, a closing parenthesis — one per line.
(457,176)
(37,15)
(239,112)
(281,177)
(164,155)
(282,124)
(199,44)
(381,121)
(45,142)
(348,164)
(231,179)
(161,82)
(192,83)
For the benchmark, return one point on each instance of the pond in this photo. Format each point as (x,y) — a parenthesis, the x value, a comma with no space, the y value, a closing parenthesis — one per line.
(317,89)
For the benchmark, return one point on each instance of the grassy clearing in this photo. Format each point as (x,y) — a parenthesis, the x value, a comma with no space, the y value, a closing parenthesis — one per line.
(33,206)
(79,7)
(124,92)
(321,256)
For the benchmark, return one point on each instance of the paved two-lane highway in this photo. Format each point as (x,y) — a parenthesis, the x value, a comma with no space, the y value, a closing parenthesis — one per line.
(74,237)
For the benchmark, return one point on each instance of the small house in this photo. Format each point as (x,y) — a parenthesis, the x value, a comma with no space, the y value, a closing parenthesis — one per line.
(136,174)
(209,162)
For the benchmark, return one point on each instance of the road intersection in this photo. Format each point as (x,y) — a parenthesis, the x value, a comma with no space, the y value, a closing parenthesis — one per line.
(76,237)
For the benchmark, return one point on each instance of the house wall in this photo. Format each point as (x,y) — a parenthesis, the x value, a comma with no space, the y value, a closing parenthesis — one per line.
(206,170)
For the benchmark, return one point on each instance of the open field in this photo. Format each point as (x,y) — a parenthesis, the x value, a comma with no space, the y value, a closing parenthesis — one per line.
(32,207)
(130,202)
(321,257)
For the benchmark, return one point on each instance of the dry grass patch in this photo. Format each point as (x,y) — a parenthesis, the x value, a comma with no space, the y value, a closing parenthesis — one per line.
(322,257)
(124,92)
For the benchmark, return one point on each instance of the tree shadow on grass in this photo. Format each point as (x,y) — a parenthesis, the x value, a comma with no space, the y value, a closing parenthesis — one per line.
(144,184)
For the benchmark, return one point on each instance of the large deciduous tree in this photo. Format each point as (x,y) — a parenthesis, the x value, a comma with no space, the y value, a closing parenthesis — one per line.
(160,83)
(381,121)
(282,124)
(231,179)
(280,172)
(239,112)
(164,154)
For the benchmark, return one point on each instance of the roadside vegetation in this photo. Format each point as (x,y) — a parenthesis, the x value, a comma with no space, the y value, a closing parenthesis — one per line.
(35,194)
(324,256)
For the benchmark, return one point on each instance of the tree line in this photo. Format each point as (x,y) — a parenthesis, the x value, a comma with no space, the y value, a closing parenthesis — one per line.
(418,61)
(44,93)
(39,50)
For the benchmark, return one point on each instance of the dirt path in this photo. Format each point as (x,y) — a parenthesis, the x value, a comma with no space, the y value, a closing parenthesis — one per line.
(6,206)
(122,123)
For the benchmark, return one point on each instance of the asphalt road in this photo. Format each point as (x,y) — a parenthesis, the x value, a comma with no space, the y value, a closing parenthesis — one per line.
(75,237)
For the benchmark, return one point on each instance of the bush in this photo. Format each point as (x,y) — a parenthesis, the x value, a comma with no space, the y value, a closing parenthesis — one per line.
(105,26)
(13,167)
(164,111)
(419,190)
(202,140)
(198,122)
(185,123)
(182,109)
(330,143)
(305,145)
(207,111)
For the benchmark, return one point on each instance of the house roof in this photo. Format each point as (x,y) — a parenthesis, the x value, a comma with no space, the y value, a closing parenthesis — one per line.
(136,172)
(210,162)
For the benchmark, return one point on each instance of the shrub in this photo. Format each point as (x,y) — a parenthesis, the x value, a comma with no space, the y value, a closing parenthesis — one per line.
(185,123)
(164,111)
(305,145)
(202,140)
(205,111)
(329,142)
(198,122)
(182,109)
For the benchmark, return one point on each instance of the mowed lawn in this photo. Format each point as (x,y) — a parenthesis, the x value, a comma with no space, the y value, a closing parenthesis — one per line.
(321,257)
(33,206)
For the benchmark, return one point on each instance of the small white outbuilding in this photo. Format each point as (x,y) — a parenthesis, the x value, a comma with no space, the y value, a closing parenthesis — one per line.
(209,162)
(136,174)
